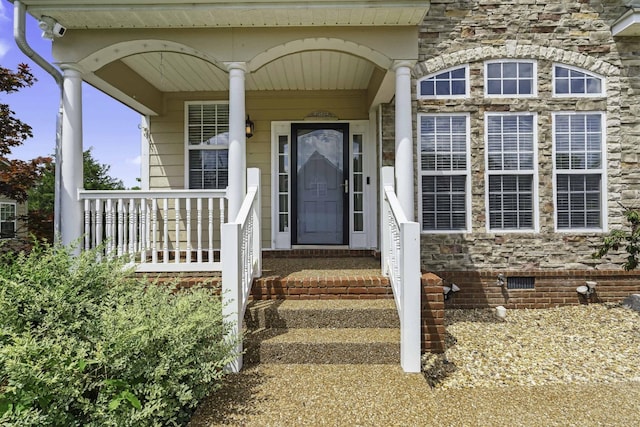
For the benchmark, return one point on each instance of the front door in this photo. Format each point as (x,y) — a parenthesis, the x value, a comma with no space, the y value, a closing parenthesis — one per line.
(320,183)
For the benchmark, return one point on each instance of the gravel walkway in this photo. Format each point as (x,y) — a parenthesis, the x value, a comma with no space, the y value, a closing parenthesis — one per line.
(572,366)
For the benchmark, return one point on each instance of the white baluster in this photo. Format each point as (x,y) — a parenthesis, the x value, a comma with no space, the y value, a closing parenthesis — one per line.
(121,228)
(165,249)
(210,227)
(144,234)
(154,220)
(199,225)
(133,227)
(109,227)
(177,238)
(188,221)
(97,237)
(87,225)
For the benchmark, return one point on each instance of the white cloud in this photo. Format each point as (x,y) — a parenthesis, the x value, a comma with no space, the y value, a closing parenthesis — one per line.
(5,22)
(4,48)
(134,160)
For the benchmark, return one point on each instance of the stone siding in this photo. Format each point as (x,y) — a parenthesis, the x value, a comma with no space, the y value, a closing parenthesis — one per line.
(575,33)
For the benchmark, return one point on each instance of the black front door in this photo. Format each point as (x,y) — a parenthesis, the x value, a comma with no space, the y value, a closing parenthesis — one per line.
(319,180)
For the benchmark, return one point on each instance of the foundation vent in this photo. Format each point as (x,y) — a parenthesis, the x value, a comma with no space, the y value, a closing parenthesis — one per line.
(521,282)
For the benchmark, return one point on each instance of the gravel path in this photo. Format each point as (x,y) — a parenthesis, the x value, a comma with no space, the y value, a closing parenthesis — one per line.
(572,366)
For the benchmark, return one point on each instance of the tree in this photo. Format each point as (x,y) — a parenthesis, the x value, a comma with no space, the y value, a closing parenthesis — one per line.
(41,196)
(16,176)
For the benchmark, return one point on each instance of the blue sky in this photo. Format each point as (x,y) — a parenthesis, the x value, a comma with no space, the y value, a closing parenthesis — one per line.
(109,127)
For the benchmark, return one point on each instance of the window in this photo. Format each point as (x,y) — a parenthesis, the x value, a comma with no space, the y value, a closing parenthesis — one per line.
(446,84)
(579,170)
(511,160)
(509,78)
(7,220)
(358,182)
(207,135)
(445,172)
(283,183)
(569,81)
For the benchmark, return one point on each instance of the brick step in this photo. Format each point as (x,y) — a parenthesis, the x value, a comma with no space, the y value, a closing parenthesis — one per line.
(330,346)
(323,288)
(377,313)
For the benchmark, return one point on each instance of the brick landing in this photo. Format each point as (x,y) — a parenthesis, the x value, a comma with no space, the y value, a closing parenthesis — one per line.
(320,274)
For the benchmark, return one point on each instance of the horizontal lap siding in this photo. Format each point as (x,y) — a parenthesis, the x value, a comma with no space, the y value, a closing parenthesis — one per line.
(166,151)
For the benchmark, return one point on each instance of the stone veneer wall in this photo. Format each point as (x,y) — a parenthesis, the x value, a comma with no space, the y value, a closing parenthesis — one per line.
(572,32)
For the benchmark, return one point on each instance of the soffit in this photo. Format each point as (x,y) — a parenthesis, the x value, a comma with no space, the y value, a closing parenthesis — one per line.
(628,25)
(92,14)
(317,70)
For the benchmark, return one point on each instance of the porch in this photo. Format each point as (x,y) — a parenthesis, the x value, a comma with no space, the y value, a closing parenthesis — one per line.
(187,231)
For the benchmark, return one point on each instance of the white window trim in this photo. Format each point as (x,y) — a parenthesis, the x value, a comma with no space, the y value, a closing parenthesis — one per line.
(466,173)
(15,220)
(603,92)
(602,171)
(467,84)
(534,92)
(188,147)
(534,172)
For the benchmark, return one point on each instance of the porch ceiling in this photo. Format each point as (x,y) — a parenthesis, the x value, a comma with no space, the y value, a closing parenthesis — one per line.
(95,14)
(315,70)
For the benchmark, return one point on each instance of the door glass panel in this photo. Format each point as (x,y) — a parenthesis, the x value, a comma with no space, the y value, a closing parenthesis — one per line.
(358,190)
(320,186)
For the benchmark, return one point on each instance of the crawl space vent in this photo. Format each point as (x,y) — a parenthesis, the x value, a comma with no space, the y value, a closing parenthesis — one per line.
(521,282)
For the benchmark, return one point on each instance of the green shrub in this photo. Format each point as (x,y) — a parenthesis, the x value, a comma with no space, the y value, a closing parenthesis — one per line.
(83,344)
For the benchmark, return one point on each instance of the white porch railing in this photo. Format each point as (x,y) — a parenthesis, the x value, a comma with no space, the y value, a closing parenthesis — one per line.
(241,260)
(401,263)
(171,230)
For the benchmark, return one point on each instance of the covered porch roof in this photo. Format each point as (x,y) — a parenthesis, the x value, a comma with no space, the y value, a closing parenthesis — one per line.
(75,14)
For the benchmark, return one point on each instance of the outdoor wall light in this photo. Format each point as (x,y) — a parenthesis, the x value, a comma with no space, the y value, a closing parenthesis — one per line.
(449,290)
(501,280)
(588,289)
(249,127)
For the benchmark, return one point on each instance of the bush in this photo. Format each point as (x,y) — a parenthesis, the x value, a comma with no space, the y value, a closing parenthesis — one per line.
(83,344)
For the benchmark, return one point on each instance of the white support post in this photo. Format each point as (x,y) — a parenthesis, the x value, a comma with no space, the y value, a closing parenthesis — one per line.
(231,279)
(70,161)
(237,138)
(411,322)
(404,138)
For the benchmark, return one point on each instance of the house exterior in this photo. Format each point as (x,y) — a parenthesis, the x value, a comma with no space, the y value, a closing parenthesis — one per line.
(11,226)
(512,127)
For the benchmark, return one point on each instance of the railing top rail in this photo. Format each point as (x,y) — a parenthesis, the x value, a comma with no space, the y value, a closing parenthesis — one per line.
(245,209)
(150,194)
(394,204)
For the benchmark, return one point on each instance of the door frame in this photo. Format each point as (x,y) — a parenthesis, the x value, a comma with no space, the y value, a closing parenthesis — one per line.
(367,238)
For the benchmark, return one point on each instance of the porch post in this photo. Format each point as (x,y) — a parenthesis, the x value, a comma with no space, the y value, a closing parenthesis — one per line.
(237,138)
(70,157)
(404,138)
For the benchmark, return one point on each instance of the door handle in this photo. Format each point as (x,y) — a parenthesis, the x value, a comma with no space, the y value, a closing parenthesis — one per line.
(346,186)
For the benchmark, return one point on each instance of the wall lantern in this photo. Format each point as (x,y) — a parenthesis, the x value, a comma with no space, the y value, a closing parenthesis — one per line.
(249,127)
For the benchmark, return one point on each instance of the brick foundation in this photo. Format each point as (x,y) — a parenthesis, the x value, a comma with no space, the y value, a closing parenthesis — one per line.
(552,288)
(432,314)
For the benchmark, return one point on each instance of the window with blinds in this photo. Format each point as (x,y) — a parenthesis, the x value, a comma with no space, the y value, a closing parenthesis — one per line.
(511,155)
(444,172)
(207,138)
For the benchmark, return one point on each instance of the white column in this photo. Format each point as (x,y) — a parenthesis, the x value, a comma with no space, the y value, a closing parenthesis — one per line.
(404,138)
(237,138)
(70,157)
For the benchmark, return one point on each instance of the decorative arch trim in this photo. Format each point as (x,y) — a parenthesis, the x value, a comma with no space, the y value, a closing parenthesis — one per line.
(117,51)
(311,44)
(516,51)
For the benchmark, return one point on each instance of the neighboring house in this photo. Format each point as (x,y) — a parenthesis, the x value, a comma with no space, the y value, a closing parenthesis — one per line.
(513,128)
(11,226)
